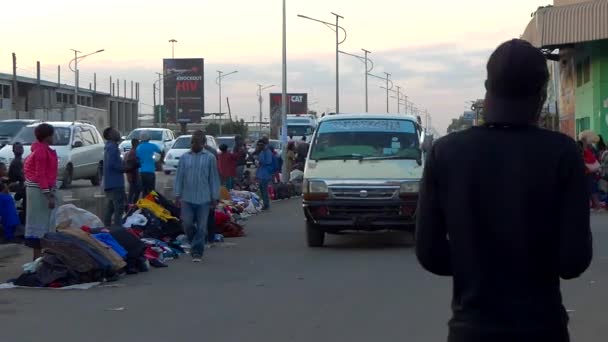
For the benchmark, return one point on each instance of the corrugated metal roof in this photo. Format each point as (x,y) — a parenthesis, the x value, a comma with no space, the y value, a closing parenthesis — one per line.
(555,26)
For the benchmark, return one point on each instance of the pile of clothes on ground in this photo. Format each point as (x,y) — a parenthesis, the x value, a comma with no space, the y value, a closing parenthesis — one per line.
(83,251)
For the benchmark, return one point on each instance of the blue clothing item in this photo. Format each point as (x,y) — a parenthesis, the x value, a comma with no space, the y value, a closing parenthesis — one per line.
(112,243)
(194,219)
(197,179)
(145,153)
(113,170)
(8,216)
(265,168)
(264,192)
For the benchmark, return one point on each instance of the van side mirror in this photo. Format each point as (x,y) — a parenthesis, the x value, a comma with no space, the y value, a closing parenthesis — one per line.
(77,144)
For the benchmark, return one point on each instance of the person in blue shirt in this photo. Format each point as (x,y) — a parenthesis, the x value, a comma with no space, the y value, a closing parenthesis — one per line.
(197,190)
(147,171)
(264,171)
(113,179)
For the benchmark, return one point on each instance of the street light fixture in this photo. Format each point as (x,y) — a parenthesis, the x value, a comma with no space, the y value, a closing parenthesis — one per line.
(172,41)
(218,81)
(77,76)
(367,61)
(260,100)
(336,28)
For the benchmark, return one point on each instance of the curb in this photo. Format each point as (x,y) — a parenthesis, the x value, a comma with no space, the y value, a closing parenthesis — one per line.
(9,251)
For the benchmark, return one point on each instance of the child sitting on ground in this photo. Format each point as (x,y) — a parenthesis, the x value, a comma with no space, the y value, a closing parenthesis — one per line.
(8,213)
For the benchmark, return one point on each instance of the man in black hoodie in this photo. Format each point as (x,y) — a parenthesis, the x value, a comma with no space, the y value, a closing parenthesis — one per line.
(504,210)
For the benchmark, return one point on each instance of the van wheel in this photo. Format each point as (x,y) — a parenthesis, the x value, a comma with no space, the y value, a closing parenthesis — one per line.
(314,235)
(68,176)
(96,181)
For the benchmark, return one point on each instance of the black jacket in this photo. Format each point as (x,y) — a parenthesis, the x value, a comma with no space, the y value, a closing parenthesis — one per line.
(504,210)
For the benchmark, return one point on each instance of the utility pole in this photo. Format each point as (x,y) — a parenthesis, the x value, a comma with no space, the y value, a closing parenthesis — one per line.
(398,100)
(338,17)
(284,170)
(219,77)
(75,83)
(366,74)
(154,103)
(387,90)
(173,41)
(15,90)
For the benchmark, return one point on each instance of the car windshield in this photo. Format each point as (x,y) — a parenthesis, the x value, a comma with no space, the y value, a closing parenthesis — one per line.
(365,138)
(154,135)
(228,141)
(182,143)
(26,136)
(11,128)
(299,131)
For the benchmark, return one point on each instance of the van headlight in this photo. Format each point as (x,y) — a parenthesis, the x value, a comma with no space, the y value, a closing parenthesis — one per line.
(408,188)
(314,190)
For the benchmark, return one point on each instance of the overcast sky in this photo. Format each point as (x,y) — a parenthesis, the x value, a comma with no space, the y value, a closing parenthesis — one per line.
(435,50)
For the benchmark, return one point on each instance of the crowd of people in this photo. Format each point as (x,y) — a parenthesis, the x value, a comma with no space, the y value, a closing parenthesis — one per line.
(200,174)
(595,155)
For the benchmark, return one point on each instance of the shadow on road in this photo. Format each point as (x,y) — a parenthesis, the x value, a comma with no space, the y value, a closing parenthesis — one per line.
(369,240)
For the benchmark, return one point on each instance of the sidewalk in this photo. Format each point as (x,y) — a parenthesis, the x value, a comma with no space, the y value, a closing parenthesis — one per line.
(12,257)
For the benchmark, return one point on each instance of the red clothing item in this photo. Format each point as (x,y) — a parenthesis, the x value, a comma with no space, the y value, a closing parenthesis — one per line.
(40,167)
(226,162)
(589,156)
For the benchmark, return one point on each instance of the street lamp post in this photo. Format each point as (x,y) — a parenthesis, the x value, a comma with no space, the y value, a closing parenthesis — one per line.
(387,89)
(367,62)
(77,76)
(260,100)
(172,41)
(220,76)
(284,170)
(335,27)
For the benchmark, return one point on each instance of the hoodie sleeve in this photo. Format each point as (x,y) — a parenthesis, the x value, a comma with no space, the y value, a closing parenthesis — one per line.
(42,162)
(214,179)
(114,159)
(432,245)
(575,247)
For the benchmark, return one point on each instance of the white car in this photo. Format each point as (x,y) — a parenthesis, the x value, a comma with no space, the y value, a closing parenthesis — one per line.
(79,148)
(161,137)
(182,145)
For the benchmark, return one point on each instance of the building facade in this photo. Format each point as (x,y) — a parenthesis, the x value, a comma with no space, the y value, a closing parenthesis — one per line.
(578,30)
(38,99)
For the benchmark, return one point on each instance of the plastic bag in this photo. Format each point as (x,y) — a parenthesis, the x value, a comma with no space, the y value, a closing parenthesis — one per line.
(136,219)
(296,175)
(77,216)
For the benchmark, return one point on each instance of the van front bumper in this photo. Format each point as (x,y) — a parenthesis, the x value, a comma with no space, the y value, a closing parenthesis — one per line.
(338,215)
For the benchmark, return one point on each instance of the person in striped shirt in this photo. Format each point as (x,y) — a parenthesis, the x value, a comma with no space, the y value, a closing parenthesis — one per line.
(197,190)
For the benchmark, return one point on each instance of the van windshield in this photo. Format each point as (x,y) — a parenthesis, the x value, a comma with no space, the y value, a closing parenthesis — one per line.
(299,130)
(366,138)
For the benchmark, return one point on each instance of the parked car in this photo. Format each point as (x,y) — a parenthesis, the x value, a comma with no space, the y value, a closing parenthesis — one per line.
(10,128)
(79,148)
(182,145)
(161,137)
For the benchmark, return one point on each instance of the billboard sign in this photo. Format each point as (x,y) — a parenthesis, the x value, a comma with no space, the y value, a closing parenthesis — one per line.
(297,103)
(184,85)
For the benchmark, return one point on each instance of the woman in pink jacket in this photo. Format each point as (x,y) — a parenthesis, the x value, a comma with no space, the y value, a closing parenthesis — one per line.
(40,170)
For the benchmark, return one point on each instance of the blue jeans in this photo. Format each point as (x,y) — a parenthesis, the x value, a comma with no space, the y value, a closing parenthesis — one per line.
(194,219)
(115,207)
(264,191)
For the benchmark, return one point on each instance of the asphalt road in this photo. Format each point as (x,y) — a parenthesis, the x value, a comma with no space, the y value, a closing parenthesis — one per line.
(270,287)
